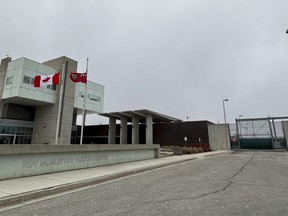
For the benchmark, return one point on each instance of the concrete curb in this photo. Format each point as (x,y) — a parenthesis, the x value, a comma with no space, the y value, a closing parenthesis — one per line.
(217,153)
(46,192)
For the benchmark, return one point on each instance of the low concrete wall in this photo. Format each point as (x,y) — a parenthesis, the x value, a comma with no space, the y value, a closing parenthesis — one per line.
(219,138)
(27,160)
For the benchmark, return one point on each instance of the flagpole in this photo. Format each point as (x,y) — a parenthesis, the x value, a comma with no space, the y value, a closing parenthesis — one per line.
(84,101)
(60,104)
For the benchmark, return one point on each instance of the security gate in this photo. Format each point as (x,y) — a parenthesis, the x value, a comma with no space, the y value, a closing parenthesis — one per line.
(261,133)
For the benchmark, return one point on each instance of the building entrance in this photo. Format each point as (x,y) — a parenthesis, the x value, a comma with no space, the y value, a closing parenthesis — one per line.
(15,131)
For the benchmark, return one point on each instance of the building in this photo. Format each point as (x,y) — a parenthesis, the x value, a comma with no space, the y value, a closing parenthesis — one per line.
(149,127)
(29,115)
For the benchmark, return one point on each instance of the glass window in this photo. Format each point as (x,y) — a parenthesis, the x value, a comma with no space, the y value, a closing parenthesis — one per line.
(17,130)
(94,97)
(8,129)
(22,130)
(51,87)
(12,129)
(27,79)
(9,80)
(2,129)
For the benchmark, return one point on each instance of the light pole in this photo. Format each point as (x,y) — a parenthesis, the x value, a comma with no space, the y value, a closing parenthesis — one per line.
(225,100)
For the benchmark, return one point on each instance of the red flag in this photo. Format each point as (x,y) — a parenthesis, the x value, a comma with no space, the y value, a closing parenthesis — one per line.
(53,79)
(78,77)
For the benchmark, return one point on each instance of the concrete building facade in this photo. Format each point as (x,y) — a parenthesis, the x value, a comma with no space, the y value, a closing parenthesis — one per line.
(158,129)
(135,117)
(29,115)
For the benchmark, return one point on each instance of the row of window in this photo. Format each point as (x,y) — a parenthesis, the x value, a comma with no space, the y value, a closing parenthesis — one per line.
(30,81)
(18,139)
(6,129)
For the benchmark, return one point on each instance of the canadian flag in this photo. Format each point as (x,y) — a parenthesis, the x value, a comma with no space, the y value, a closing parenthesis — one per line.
(53,79)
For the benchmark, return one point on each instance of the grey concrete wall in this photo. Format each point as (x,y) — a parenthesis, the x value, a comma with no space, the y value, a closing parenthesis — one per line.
(285,130)
(44,131)
(28,160)
(3,71)
(219,138)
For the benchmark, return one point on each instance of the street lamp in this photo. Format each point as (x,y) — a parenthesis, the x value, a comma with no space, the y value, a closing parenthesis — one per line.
(225,100)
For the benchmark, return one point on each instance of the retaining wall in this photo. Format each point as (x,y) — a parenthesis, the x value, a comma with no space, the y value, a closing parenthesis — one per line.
(219,136)
(28,160)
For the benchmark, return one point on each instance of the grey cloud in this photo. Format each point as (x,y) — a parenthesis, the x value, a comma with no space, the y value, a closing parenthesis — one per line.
(181,58)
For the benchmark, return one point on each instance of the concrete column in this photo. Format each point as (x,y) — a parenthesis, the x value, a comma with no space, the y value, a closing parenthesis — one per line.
(149,129)
(112,131)
(123,131)
(135,130)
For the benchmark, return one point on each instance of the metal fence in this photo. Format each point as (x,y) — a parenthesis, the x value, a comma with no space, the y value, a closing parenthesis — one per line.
(259,133)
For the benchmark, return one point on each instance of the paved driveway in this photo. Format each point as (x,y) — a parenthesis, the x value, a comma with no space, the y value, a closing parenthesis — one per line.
(240,183)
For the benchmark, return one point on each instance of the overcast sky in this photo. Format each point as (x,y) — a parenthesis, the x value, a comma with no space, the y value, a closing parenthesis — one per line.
(177,57)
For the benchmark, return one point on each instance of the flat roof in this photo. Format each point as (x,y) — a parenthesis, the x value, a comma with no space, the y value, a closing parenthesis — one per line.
(141,114)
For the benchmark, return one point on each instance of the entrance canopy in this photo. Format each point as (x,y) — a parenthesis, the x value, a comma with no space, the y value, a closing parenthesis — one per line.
(135,117)
(141,115)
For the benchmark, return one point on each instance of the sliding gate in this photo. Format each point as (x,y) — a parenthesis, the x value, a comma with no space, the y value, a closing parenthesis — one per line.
(261,133)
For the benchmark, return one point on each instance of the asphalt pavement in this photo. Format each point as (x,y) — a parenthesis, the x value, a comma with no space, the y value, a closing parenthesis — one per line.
(21,190)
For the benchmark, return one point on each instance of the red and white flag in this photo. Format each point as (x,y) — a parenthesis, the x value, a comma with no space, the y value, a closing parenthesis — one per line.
(53,79)
(78,77)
